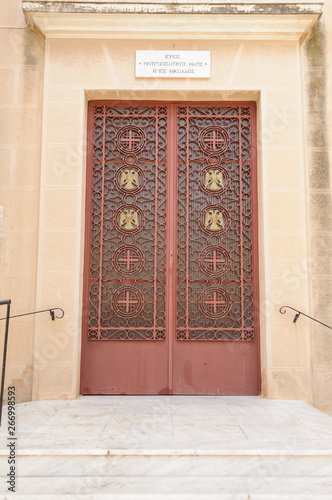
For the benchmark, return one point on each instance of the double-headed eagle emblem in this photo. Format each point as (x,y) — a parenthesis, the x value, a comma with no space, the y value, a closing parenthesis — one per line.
(214,220)
(129,179)
(214,180)
(129,219)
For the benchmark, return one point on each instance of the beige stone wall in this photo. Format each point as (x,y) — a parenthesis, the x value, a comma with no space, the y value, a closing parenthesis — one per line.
(317,57)
(77,70)
(293,186)
(21,74)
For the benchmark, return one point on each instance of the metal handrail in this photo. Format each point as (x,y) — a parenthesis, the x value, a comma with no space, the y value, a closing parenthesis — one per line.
(3,303)
(7,318)
(282,310)
(52,313)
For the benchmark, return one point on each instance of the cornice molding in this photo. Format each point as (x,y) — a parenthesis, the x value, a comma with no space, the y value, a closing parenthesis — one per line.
(180,18)
(175,6)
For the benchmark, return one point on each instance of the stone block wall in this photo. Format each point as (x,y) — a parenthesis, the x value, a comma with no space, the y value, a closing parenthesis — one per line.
(317,78)
(21,84)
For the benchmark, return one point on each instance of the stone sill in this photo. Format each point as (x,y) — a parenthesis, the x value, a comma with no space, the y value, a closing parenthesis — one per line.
(181,19)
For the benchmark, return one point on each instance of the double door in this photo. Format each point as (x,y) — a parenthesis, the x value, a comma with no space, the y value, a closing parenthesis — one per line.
(170,286)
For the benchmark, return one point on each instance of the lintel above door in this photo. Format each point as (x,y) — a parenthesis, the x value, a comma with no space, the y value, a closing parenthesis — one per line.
(167,20)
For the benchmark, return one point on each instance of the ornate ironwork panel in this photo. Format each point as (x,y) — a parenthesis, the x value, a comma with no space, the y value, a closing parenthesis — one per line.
(215,289)
(127,259)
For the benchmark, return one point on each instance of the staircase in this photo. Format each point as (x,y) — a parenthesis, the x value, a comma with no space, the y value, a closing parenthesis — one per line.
(170,447)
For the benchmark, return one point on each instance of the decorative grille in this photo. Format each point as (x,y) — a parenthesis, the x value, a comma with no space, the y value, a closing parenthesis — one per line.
(127,260)
(214,222)
(215,289)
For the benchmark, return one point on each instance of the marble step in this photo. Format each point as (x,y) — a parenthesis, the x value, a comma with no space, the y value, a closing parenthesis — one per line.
(173,488)
(171,463)
(169,448)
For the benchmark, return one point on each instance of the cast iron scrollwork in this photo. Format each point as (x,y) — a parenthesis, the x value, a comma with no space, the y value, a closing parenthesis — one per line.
(127,270)
(215,275)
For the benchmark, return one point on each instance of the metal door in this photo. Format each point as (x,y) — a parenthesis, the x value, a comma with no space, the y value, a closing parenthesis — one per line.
(170,292)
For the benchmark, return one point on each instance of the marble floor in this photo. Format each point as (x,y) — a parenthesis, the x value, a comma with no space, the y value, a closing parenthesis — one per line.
(176,423)
(128,443)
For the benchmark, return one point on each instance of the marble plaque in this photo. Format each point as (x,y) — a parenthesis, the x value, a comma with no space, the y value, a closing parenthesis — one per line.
(173,64)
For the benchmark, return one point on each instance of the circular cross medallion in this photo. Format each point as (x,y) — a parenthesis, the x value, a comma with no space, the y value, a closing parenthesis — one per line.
(130,139)
(214,302)
(214,139)
(127,302)
(214,260)
(128,260)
